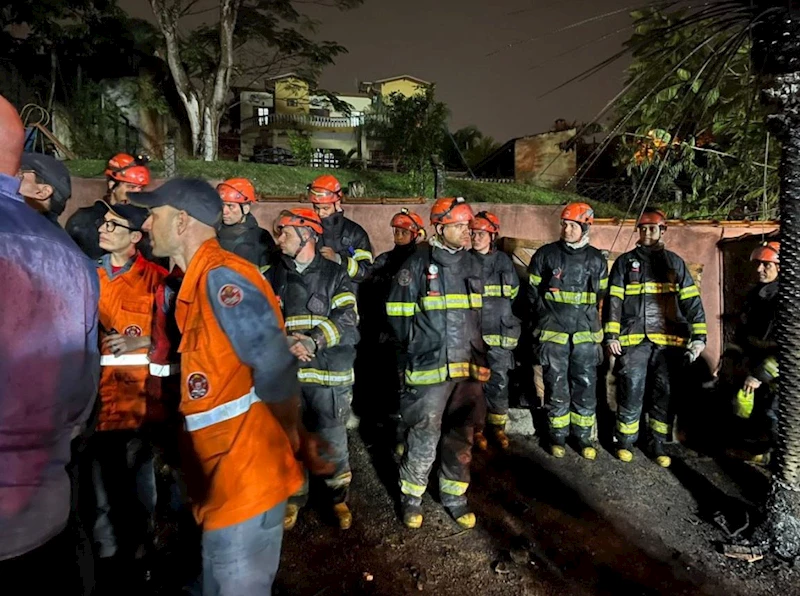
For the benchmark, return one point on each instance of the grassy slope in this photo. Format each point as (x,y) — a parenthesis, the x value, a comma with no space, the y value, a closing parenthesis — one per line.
(286,181)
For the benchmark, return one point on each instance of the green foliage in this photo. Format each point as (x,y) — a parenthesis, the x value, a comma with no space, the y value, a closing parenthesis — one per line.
(694,82)
(411,128)
(301,148)
(96,124)
(473,145)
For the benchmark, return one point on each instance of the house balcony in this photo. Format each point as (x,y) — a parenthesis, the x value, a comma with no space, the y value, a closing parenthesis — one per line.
(311,122)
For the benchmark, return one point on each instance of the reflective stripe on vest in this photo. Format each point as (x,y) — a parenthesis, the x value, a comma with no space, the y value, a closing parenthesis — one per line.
(124,360)
(221,413)
(163,370)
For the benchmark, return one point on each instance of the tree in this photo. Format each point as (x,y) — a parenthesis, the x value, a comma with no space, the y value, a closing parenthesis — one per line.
(251,40)
(410,128)
(469,143)
(694,118)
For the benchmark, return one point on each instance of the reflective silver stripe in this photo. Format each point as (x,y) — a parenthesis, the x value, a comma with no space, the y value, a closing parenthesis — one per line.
(124,360)
(227,411)
(163,370)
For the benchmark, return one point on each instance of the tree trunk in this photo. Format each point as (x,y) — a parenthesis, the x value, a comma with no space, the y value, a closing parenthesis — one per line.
(210,140)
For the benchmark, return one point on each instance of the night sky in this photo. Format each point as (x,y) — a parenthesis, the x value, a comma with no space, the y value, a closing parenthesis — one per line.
(448,42)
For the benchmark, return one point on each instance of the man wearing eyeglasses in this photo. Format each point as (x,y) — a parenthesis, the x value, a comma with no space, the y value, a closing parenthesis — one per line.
(240,232)
(122,467)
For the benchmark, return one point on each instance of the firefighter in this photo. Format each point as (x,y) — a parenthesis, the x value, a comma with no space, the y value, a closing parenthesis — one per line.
(122,469)
(238,393)
(320,313)
(568,280)
(240,232)
(654,325)
(501,329)
(757,340)
(343,240)
(124,174)
(434,309)
(45,184)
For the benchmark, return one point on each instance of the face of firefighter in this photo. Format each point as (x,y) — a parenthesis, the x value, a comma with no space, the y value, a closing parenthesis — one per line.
(290,239)
(455,235)
(327,209)
(402,237)
(481,241)
(571,231)
(116,235)
(37,195)
(119,196)
(164,226)
(650,234)
(234,213)
(767,272)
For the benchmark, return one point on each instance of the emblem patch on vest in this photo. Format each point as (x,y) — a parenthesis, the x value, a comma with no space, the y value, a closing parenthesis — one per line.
(133,331)
(197,384)
(230,295)
(404,277)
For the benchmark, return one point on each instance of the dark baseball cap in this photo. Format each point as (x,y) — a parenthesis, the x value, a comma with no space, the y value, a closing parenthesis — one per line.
(52,171)
(135,216)
(193,195)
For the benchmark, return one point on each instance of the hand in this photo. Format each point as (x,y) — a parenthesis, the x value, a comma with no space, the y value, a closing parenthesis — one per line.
(303,348)
(122,344)
(751,384)
(614,347)
(311,449)
(694,350)
(330,254)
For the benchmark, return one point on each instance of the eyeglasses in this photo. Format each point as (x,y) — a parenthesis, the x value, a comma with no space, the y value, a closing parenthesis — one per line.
(110,225)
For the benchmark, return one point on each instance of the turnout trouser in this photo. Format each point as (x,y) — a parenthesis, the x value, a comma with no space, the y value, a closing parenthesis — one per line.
(646,368)
(444,411)
(325,412)
(496,388)
(570,388)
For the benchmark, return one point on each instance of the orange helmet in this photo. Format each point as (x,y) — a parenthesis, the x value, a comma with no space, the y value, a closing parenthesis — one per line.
(652,217)
(450,211)
(127,168)
(302,217)
(324,190)
(237,190)
(408,220)
(769,252)
(581,213)
(485,221)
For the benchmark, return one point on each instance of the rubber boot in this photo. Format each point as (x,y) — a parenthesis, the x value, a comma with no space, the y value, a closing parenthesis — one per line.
(463,515)
(411,511)
(342,513)
(479,441)
(558,449)
(624,454)
(290,516)
(587,450)
(656,448)
(500,437)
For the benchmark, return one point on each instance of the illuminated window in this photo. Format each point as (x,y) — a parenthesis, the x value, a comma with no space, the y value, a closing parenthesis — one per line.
(263,116)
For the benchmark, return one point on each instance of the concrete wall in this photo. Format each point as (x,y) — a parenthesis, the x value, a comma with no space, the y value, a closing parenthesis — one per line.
(405,87)
(540,159)
(696,243)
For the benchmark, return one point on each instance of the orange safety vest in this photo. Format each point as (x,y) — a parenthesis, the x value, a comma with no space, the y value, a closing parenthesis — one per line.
(126,306)
(237,459)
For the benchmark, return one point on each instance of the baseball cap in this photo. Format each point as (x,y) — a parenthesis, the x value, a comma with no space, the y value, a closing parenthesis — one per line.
(193,195)
(135,216)
(52,171)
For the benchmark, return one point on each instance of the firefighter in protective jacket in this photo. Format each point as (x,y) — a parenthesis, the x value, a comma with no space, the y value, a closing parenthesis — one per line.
(240,233)
(343,240)
(321,319)
(654,323)
(434,309)
(501,329)
(568,280)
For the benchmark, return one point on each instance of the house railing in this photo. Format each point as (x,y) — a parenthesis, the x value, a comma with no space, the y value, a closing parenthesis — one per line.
(313,121)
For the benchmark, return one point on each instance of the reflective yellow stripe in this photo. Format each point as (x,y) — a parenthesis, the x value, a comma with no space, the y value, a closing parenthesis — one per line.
(559,421)
(326,377)
(604,283)
(660,427)
(770,365)
(452,487)
(587,337)
(688,292)
(415,490)
(699,329)
(613,327)
(634,339)
(584,421)
(427,377)
(501,341)
(401,309)
(534,279)
(452,301)
(330,332)
(343,299)
(303,322)
(352,267)
(496,419)
(264,268)
(514,292)
(475,301)
(453,370)
(497,291)
(628,428)
(362,255)
(617,292)
(650,287)
(557,337)
(744,404)
(571,297)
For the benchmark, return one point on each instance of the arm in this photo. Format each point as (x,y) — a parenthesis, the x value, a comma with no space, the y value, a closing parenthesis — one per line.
(690,304)
(359,264)
(341,328)
(535,268)
(612,315)
(602,287)
(402,303)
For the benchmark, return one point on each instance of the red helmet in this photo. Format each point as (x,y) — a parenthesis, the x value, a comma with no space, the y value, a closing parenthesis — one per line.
(581,213)
(324,190)
(119,162)
(126,168)
(302,217)
(237,190)
(769,252)
(451,211)
(485,221)
(653,217)
(408,220)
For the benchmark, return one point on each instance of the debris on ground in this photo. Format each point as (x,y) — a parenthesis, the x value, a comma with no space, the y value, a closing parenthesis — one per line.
(751,554)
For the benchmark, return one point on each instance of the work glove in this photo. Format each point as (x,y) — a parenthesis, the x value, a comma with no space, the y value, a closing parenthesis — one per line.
(694,350)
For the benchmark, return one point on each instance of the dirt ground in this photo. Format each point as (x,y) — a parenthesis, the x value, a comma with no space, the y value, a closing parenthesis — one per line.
(545,526)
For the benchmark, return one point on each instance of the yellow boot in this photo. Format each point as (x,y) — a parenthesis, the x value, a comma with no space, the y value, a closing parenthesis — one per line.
(342,512)
(290,516)
(480,442)
(501,437)
(625,455)
(558,451)
(589,452)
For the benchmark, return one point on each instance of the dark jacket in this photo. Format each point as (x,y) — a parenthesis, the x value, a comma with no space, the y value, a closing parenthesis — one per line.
(652,296)
(501,328)
(350,241)
(248,240)
(82,228)
(757,333)
(434,308)
(320,303)
(566,288)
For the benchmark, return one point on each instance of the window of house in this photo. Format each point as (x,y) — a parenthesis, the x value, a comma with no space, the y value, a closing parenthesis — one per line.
(292,103)
(263,116)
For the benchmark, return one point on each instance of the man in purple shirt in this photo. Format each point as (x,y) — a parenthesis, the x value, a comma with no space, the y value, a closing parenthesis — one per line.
(49,368)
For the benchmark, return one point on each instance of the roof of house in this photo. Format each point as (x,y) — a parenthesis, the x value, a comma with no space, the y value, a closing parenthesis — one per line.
(400,77)
(286,75)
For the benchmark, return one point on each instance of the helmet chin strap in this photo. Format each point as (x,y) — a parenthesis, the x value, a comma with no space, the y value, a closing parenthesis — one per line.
(303,241)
